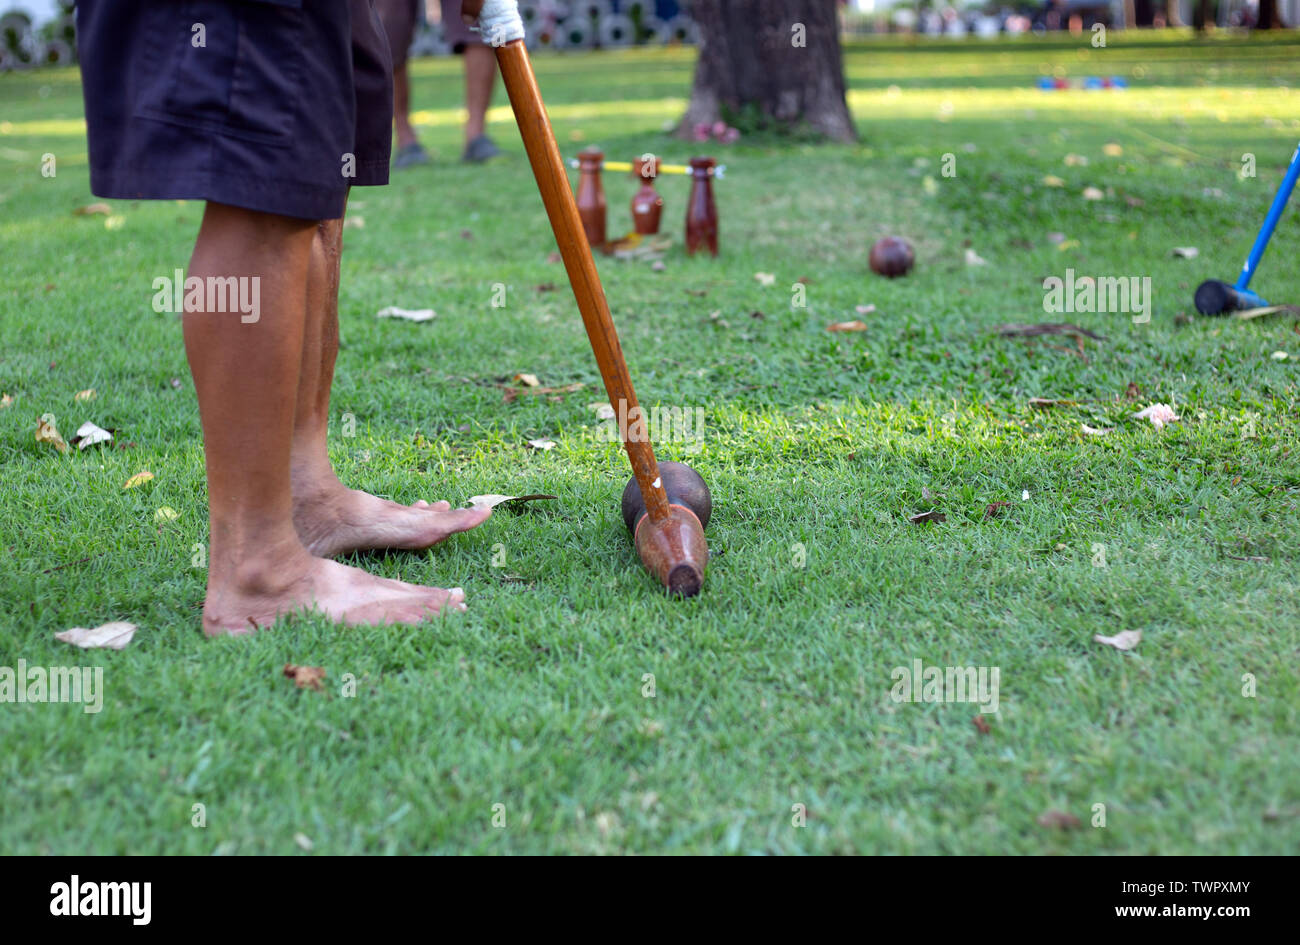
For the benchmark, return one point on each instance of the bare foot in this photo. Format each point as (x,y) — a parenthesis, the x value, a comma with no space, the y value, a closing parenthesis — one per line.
(341,520)
(262,593)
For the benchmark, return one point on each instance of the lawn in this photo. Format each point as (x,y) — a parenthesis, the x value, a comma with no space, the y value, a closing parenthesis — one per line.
(773,688)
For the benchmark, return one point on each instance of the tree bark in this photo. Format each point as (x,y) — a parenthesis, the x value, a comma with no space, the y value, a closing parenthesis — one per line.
(777,60)
(1269,18)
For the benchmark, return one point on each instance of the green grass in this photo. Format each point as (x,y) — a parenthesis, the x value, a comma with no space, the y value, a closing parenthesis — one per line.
(773,687)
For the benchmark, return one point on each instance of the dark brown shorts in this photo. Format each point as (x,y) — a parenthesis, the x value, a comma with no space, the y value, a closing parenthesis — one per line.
(271,105)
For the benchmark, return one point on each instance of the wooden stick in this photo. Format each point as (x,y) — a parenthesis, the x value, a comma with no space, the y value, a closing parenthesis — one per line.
(553,181)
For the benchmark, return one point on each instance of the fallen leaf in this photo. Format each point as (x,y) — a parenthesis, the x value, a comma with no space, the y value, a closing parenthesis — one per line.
(658,266)
(981,725)
(764,278)
(492,499)
(304,842)
(108,636)
(1046,328)
(1095,431)
(545,287)
(1120,641)
(138,479)
(603,410)
(1186,252)
(93,208)
(1075,160)
(854,325)
(409,314)
(864,309)
(1092,193)
(166,514)
(354,223)
(994,509)
(1065,245)
(528,380)
(1132,392)
(542,444)
(49,433)
(88,435)
(1278,356)
(306,677)
(1024,495)
(1158,414)
(1134,202)
(1051,180)
(975,259)
(5,401)
(1042,403)
(932,516)
(466,235)
(553,257)
(1058,819)
(84,394)
(1111,149)
(115,222)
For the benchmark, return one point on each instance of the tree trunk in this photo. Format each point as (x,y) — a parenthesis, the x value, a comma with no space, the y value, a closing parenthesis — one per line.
(1268,16)
(776,62)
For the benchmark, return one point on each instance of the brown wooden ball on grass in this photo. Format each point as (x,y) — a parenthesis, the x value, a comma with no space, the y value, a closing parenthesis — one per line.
(892,257)
(684,487)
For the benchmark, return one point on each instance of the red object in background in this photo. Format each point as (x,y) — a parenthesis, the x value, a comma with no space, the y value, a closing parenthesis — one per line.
(591,196)
(647,205)
(701,212)
(1060,84)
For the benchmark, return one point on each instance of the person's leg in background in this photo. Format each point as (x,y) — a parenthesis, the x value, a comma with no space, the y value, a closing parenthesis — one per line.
(400,18)
(480,77)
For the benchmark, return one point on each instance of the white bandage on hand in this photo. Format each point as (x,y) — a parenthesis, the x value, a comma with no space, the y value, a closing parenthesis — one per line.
(499,22)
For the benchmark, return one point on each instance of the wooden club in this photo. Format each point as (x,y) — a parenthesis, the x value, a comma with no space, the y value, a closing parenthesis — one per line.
(669,538)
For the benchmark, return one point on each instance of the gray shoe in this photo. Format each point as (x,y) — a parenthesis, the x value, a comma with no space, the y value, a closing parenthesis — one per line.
(411,155)
(479,150)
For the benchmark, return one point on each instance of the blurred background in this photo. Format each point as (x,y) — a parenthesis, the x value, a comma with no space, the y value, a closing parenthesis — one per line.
(41,31)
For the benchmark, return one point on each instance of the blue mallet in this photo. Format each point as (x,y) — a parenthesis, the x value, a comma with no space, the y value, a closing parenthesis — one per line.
(1218,298)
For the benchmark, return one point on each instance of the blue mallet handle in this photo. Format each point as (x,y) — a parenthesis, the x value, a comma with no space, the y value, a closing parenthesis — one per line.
(1270,222)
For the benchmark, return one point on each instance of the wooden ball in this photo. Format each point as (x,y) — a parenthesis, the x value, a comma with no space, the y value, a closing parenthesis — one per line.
(892,256)
(684,487)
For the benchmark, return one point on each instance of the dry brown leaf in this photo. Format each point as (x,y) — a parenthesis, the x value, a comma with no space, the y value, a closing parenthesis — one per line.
(932,516)
(1132,392)
(1111,149)
(1051,180)
(1058,819)
(88,394)
(981,725)
(855,325)
(93,208)
(528,380)
(1125,640)
(994,509)
(306,677)
(108,636)
(49,433)
(1042,403)
(5,401)
(138,479)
